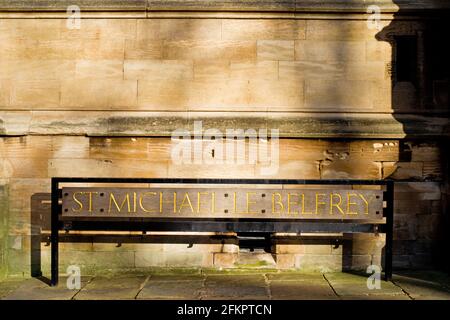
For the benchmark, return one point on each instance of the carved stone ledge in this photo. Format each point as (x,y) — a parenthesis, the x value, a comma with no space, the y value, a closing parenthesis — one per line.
(297,125)
(224,5)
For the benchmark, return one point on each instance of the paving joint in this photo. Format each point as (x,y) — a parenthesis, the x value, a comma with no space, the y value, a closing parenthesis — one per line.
(403,290)
(142,286)
(87,282)
(268,288)
(329,283)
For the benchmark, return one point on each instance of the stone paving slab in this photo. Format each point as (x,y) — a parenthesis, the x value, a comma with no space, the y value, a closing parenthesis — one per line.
(173,290)
(246,287)
(301,290)
(111,288)
(377,297)
(9,285)
(38,289)
(234,286)
(177,277)
(345,284)
(165,286)
(424,288)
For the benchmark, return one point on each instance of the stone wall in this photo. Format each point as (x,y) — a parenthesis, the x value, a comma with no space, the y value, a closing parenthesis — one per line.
(102,101)
(29,162)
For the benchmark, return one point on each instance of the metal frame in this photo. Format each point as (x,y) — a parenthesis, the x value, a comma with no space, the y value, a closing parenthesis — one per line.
(221,225)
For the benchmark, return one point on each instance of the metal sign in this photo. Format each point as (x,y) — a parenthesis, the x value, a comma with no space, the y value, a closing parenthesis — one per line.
(222,203)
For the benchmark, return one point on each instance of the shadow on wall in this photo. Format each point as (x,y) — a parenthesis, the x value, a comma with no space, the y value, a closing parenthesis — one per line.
(420,77)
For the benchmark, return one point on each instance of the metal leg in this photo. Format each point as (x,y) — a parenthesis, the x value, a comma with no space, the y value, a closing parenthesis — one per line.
(389,230)
(54,234)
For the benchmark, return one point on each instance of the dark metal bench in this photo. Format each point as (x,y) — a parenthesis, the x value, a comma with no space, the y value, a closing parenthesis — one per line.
(245,226)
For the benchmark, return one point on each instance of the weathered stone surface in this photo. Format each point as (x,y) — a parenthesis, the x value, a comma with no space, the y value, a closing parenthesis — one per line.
(99,69)
(252,287)
(158,69)
(167,284)
(285,261)
(352,285)
(403,170)
(150,259)
(106,94)
(275,50)
(209,49)
(61,5)
(7,286)
(263,29)
(350,169)
(172,287)
(301,290)
(37,94)
(35,289)
(109,288)
(247,5)
(330,50)
(318,263)
(424,286)
(295,276)
(225,260)
(162,124)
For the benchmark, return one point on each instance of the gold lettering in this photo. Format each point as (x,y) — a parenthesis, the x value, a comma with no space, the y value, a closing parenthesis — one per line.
(90,199)
(337,205)
(289,202)
(350,203)
(199,200)
(303,206)
(278,202)
(186,197)
(113,199)
(77,201)
(250,202)
(213,202)
(161,202)
(366,202)
(319,203)
(141,198)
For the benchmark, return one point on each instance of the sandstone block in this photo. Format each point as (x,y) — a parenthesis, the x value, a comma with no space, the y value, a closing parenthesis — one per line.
(94,94)
(298,71)
(36,94)
(209,49)
(93,69)
(318,50)
(254,70)
(403,170)
(275,50)
(234,29)
(345,95)
(279,95)
(285,261)
(143,49)
(318,263)
(225,260)
(158,69)
(340,30)
(211,69)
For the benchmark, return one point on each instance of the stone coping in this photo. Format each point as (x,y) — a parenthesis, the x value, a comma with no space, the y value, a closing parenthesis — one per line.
(387,6)
(162,124)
